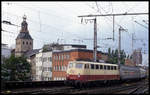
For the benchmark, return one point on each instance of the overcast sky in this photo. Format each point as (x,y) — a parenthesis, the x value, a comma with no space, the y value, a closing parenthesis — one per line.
(58,21)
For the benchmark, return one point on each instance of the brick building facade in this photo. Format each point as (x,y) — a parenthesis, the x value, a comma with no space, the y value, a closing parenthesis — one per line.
(60,60)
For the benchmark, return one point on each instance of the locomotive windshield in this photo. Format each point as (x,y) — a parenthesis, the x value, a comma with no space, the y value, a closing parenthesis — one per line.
(70,65)
(79,65)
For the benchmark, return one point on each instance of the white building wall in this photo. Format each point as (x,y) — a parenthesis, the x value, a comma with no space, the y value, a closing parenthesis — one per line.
(70,47)
(44,60)
(6,52)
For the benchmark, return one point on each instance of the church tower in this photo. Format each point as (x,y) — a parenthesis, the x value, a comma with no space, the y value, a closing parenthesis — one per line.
(24,41)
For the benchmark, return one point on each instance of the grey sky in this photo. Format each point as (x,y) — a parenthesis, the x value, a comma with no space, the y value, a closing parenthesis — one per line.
(50,21)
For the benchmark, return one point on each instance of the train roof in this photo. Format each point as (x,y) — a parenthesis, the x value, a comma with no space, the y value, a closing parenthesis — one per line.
(100,63)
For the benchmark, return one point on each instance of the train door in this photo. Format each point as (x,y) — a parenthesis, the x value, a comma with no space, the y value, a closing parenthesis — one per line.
(87,71)
(104,75)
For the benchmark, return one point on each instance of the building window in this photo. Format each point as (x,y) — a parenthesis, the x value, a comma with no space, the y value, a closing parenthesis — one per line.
(67,56)
(30,43)
(40,58)
(64,68)
(23,42)
(59,57)
(56,57)
(50,68)
(57,68)
(27,43)
(54,68)
(50,59)
(62,57)
(44,59)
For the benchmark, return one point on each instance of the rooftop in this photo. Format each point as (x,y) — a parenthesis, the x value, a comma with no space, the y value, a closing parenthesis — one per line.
(24,35)
(79,50)
(31,52)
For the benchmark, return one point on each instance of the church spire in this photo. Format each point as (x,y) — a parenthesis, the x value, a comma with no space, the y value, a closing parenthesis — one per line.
(24,25)
(24,18)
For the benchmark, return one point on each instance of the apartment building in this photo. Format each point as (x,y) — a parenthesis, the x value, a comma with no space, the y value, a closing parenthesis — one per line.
(44,66)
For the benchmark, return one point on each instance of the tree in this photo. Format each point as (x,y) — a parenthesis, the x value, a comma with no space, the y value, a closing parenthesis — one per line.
(15,69)
(113,57)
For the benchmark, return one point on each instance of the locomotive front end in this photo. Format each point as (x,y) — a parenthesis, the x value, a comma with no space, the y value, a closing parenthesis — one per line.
(72,72)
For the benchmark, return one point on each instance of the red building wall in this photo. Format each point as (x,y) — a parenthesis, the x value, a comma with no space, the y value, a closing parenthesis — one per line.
(73,55)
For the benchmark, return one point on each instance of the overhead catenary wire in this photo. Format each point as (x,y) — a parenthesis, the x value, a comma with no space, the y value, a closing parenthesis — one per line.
(43,12)
(48,26)
(47,14)
(100,13)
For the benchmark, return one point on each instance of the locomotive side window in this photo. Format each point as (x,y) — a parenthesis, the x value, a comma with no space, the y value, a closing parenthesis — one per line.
(86,66)
(79,65)
(108,67)
(101,66)
(104,67)
(115,68)
(97,67)
(92,66)
(111,67)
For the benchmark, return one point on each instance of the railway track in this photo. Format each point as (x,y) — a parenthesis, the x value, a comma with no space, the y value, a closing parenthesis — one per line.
(127,88)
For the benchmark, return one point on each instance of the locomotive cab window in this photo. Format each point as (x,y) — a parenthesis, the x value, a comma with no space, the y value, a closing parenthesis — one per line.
(79,65)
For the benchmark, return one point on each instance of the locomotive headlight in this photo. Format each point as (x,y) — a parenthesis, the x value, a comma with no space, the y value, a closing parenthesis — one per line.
(79,75)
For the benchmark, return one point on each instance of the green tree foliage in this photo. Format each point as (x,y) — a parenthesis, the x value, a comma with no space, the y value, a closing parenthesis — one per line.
(15,69)
(113,56)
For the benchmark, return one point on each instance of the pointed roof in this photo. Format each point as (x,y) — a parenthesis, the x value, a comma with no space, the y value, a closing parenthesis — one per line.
(24,33)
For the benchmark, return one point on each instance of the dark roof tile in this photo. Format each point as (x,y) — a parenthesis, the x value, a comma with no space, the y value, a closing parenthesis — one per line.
(24,35)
